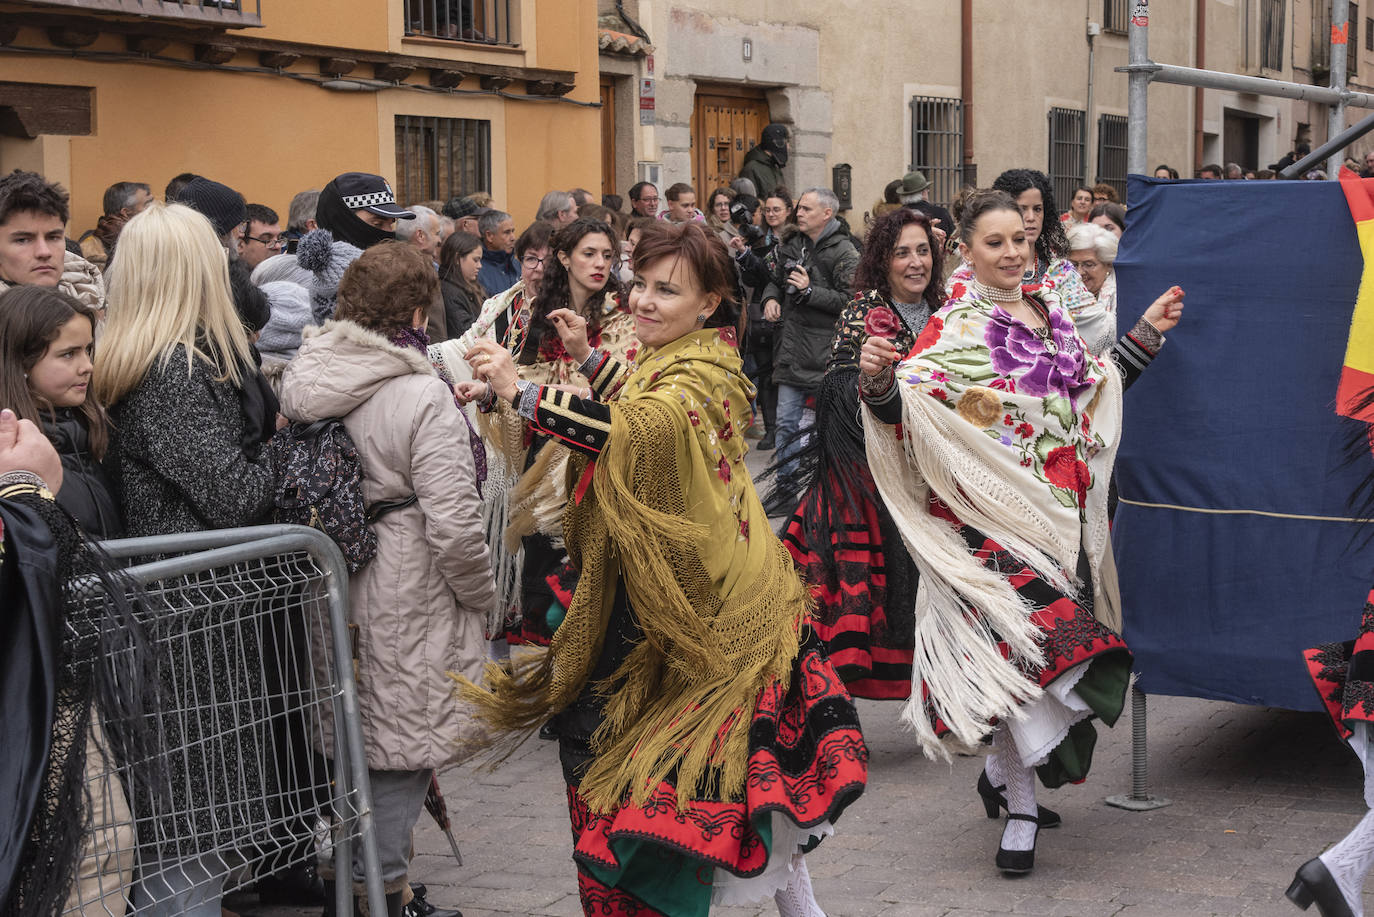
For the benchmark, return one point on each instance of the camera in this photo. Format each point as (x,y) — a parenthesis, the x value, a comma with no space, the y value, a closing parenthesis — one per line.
(792,264)
(744,221)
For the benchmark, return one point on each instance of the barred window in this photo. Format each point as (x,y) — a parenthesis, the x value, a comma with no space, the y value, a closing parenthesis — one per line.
(486,22)
(1067,153)
(937,145)
(1272,17)
(440,158)
(1115,17)
(1111,152)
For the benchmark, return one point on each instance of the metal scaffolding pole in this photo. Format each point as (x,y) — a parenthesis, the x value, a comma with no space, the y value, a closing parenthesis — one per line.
(1214,79)
(1340,35)
(1137,126)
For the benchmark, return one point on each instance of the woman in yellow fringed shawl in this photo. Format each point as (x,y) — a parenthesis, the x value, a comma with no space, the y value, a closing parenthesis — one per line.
(705,740)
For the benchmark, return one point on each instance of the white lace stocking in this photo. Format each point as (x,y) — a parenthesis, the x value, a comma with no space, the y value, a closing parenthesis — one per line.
(1020,782)
(797,899)
(1349,862)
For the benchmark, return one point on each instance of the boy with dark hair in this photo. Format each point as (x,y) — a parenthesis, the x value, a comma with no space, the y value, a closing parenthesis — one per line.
(33,236)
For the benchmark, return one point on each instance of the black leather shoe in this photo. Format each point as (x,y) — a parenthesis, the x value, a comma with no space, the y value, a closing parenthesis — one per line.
(1314,884)
(767,444)
(995,800)
(419,906)
(299,886)
(1018,861)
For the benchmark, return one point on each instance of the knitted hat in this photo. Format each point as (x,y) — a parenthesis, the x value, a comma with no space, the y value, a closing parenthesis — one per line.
(319,254)
(281,267)
(290,304)
(224,207)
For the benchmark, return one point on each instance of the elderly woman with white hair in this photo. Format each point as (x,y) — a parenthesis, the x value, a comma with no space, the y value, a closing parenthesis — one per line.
(1092,251)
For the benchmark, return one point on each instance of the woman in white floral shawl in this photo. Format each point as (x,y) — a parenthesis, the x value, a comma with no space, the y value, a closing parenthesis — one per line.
(992,442)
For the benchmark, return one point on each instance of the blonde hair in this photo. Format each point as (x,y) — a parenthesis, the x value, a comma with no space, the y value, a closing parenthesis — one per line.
(169,285)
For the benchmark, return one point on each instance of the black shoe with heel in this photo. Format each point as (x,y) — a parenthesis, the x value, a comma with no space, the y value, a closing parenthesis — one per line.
(1018,861)
(1314,884)
(995,800)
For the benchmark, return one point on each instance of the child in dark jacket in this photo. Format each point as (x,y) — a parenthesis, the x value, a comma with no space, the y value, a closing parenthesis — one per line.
(45,372)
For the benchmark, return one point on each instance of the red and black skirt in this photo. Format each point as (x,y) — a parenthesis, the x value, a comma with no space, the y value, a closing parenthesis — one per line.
(1344,675)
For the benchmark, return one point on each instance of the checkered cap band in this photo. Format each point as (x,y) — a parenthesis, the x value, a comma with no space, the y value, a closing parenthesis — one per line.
(358,202)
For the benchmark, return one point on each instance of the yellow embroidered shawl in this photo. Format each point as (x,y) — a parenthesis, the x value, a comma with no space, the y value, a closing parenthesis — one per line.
(672,511)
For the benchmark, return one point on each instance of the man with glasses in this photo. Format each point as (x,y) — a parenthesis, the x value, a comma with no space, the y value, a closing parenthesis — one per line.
(644,200)
(263,237)
(500,268)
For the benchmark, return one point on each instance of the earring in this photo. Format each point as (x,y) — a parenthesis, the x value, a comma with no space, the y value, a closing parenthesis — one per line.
(701,319)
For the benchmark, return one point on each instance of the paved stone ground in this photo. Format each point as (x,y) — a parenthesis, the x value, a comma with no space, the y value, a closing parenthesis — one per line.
(1255,793)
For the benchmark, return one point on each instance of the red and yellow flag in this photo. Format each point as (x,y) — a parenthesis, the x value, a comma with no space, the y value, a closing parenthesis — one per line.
(1357,376)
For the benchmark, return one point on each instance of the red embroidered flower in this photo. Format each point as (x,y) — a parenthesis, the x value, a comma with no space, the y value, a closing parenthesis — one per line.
(694,417)
(726,432)
(1025,431)
(728,336)
(940,393)
(929,334)
(631,354)
(898,430)
(723,470)
(1064,469)
(744,527)
(881,322)
(957,291)
(1003,385)
(1007,421)
(1025,462)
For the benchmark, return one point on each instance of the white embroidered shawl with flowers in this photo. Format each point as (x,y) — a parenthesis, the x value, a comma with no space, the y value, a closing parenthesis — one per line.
(1016,434)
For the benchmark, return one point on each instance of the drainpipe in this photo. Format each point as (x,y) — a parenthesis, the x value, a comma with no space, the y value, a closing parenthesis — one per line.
(966,87)
(1089,166)
(1200,62)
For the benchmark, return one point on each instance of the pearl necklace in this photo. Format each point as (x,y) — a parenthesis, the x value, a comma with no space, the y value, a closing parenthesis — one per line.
(997,294)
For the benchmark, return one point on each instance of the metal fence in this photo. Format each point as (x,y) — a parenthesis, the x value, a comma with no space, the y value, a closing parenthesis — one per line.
(485,21)
(1067,154)
(1111,152)
(441,158)
(259,756)
(937,144)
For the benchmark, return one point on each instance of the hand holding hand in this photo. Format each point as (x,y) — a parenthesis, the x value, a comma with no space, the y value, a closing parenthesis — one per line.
(877,355)
(772,311)
(469,391)
(491,362)
(1166,311)
(23,447)
(572,329)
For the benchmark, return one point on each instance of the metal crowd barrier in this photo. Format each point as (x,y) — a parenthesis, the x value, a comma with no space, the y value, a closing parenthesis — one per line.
(254,665)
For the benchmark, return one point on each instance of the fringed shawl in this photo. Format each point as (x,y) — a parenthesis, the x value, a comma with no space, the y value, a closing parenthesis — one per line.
(1017,436)
(672,511)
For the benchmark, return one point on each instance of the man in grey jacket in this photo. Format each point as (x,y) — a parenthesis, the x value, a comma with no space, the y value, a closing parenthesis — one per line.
(812,281)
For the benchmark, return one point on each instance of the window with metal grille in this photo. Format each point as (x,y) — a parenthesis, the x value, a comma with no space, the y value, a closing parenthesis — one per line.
(1115,17)
(1273,15)
(1111,153)
(440,158)
(1067,153)
(1354,21)
(485,21)
(1368,34)
(937,145)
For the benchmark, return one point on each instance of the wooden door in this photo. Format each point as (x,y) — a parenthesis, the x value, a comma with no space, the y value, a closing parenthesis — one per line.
(726,124)
(607,136)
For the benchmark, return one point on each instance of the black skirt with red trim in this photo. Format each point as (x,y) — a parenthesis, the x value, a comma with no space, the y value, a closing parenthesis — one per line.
(807,761)
(1343,674)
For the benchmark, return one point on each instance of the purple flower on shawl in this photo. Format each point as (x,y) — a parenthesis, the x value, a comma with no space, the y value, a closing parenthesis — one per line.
(1037,368)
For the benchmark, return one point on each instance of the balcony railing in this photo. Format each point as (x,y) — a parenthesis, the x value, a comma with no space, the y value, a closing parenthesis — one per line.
(232,14)
(486,22)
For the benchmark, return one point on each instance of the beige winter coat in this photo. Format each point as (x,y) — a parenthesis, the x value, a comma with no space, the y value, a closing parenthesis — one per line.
(420,604)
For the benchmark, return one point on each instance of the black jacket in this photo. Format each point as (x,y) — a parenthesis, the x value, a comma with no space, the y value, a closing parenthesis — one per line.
(763,170)
(87,492)
(460,307)
(808,319)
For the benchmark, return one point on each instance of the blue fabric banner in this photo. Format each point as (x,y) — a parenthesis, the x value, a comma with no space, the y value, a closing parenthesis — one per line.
(1233,470)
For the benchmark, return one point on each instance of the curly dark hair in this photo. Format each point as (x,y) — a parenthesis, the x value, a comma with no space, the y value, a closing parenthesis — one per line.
(873,267)
(1052,242)
(555,292)
(29,192)
(386,284)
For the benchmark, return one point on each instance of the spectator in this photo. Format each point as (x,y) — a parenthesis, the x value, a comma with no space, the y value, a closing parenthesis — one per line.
(682,204)
(460,260)
(172,193)
(613,202)
(418,607)
(558,207)
(191,414)
(1104,193)
(500,269)
(914,193)
(751,259)
(46,342)
(288,315)
(1079,207)
(1265,175)
(1234,172)
(1092,250)
(464,212)
(1111,217)
(812,279)
(891,190)
(644,199)
(634,229)
(263,238)
(422,232)
(1164,171)
(581,197)
(122,201)
(718,215)
(1298,153)
(33,227)
(743,186)
(763,164)
(224,207)
(446,228)
(300,218)
(1211,172)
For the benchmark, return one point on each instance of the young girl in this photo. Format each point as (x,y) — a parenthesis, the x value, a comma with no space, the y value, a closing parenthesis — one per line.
(45,371)
(459,261)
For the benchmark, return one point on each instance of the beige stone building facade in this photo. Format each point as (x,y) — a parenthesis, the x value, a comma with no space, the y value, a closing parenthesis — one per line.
(962,89)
